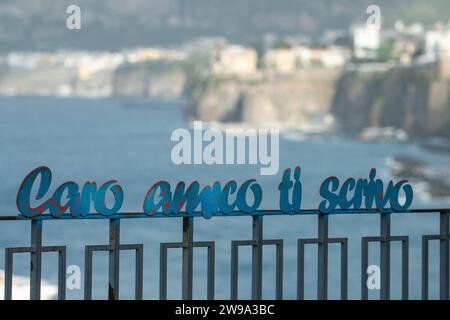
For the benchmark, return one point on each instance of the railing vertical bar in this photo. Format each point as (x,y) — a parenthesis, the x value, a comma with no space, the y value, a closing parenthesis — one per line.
(234,271)
(300,271)
(424,268)
(322,270)
(139,273)
(257,259)
(35,261)
(62,274)
(163,273)
(364,266)
(114,259)
(211,272)
(279,271)
(344,270)
(88,274)
(444,256)
(187,259)
(385,254)
(405,269)
(8,274)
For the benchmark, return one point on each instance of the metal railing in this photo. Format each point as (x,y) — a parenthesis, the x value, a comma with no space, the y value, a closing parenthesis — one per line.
(36,249)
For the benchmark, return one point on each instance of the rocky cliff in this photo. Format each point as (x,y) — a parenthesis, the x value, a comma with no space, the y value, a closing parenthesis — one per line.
(150,80)
(412,99)
(265,100)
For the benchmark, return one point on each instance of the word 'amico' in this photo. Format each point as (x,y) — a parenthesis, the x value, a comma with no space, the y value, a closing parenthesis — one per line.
(211,200)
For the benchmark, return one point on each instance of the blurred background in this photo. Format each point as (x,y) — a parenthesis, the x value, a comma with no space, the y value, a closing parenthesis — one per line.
(100,102)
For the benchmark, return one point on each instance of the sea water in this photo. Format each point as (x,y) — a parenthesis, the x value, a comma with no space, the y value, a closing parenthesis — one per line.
(102,139)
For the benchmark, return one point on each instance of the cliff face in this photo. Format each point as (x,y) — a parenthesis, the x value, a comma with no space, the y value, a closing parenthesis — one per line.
(407,98)
(149,80)
(289,100)
(412,99)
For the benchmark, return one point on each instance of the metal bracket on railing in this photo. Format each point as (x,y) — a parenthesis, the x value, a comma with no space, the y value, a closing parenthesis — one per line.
(187,246)
(9,253)
(36,249)
(301,266)
(386,283)
(322,242)
(278,269)
(114,249)
(444,239)
(180,245)
(139,248)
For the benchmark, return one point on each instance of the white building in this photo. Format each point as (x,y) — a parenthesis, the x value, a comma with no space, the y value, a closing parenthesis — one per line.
(436,42)
(303,55)
(234,60)
(281,60)
(289,60)
(437,49)
(335,57)
(366,40)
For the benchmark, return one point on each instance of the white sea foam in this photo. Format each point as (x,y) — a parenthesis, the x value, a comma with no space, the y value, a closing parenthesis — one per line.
(21,288)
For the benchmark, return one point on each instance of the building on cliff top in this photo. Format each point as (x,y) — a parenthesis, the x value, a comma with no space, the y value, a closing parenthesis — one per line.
(366,41)
(234,60)
(283,60)
(288,60)
(443,64)
(437,49)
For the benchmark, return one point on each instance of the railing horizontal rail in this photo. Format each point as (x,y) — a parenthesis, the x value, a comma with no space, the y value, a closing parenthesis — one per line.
(198,214)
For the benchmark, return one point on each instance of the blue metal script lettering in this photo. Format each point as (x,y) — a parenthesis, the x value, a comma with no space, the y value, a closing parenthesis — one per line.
(77,203)
(371,190)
